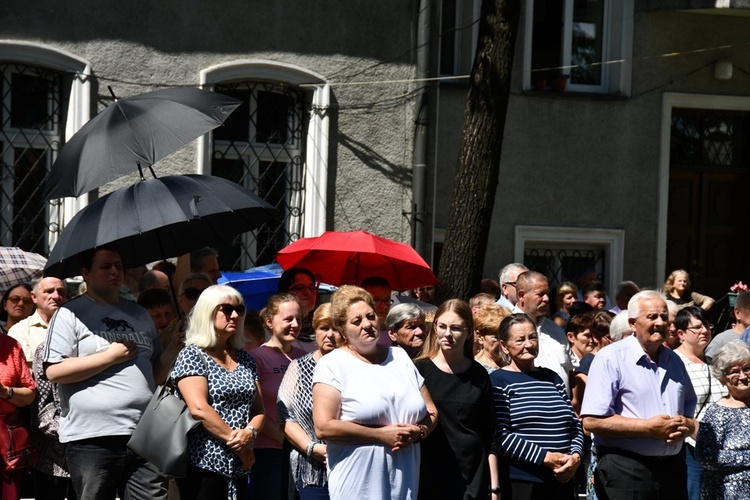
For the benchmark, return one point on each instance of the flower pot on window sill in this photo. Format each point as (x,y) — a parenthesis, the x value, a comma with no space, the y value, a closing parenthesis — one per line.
(559,82)
(540,85)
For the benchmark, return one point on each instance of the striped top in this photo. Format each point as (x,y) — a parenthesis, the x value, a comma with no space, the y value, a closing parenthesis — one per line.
(534,415)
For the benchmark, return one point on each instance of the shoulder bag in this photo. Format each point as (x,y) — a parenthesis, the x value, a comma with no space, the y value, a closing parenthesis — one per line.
(161,435)
(16,445)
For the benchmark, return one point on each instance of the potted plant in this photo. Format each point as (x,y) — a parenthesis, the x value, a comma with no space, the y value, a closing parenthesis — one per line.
(734,291)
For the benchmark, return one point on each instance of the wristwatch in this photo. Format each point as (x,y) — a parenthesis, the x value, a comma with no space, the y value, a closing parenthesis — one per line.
(253,430)
(496,489)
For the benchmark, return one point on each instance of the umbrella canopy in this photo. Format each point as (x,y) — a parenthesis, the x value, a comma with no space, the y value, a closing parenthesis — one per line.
(138,130)
(159,218)
(348,258)
(18,266)
(257,284)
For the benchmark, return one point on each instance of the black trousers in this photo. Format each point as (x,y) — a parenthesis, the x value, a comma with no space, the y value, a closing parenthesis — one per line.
(622,475)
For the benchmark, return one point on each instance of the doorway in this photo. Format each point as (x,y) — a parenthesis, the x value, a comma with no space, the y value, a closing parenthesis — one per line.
(707,216)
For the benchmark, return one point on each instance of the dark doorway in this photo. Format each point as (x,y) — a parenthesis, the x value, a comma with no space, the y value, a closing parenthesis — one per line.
(708,226)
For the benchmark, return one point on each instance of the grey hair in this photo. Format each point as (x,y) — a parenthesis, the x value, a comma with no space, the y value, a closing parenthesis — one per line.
(623,285)
(401,313)
(37,282)
(634,305)
(619,326)
(734,353)
(504,273)
(743,300)
(672,308)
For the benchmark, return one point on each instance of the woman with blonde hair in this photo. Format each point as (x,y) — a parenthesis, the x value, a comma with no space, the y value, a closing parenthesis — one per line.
(455,457)
(487,321)
(371,407)
(677,290)
(219,383)
(565,295)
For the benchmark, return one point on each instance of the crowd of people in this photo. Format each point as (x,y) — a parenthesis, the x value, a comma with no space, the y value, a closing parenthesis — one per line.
(518,393)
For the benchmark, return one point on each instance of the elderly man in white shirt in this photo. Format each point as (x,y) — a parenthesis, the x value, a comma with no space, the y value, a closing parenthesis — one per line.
(48,294)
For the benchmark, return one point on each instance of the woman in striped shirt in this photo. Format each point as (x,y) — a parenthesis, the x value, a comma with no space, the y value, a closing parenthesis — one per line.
(538,435)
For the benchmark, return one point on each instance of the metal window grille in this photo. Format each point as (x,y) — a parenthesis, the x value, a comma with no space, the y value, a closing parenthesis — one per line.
(261,146)
(30,121)
(709,138)
(564,264)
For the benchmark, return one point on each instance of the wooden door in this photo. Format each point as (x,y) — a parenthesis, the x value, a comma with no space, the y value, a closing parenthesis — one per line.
(708,227)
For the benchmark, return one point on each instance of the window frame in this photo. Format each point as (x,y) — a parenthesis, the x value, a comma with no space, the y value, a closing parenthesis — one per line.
(59,212)
(617,48)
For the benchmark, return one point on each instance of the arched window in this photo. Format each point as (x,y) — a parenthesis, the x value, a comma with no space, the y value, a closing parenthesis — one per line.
(275,144)
(43,101)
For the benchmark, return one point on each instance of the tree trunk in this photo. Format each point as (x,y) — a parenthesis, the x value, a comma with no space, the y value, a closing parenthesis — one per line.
(478,166)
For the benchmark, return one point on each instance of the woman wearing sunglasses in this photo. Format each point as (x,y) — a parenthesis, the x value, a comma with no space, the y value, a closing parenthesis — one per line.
(282,316)
(219,383)
(17,305)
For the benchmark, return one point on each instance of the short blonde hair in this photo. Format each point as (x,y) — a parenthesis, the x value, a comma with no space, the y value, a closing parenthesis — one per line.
(488,318)
(201,330)
(322,315)
(343,299)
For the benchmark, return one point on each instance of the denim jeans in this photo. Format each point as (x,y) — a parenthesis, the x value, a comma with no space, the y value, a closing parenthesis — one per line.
(694,473)
(312,492)
(102,468)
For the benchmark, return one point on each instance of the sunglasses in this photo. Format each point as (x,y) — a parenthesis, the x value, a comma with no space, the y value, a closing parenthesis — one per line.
(228,309)
(192,293)
(16,300)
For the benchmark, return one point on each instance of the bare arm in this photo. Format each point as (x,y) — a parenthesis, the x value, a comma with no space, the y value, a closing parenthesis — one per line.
(22,396)
(494,476)
(577,390)
(326,414)
(670,429)
(194,390)
(300,440)
(78,369)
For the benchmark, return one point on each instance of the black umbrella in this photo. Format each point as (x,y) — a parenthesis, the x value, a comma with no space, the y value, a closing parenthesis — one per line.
(138,130)
(159,218)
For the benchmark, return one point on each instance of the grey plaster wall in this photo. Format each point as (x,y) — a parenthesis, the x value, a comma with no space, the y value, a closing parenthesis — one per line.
(140,46)
(594,162)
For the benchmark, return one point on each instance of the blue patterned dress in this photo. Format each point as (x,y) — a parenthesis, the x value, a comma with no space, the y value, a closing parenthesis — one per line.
(231,394)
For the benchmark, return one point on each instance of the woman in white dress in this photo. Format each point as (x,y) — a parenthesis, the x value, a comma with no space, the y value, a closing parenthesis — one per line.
(371,407)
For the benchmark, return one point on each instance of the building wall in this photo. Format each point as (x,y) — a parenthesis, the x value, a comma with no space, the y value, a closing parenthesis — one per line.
(136,47)
(594,161)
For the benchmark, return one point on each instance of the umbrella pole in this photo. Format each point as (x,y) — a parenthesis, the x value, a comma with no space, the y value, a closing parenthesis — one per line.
(171,281)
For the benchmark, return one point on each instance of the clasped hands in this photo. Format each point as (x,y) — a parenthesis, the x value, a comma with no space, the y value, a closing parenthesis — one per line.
(563,466)
(671,429)
(400,436)
(240,442)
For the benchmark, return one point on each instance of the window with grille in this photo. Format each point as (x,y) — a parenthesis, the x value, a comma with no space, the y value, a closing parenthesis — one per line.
(702,138)
(261,146)
(565,264)
(31,116)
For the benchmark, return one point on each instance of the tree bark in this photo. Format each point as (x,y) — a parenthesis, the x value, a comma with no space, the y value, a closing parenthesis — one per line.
(478,166)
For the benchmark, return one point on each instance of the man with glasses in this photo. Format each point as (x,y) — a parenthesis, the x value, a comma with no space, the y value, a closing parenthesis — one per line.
(104,353)
(742,316)
(380,290)
(639,405)
(507,276)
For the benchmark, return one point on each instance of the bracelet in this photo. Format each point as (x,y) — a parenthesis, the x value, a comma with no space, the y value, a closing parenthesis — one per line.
(422,432)
(10,393)
(496,489)
(309,450)
(253,430)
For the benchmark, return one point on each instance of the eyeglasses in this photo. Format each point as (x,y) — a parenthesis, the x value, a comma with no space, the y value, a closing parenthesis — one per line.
(228,309)
(511,283)
(192,293)
(734,373)
(455,329)
(303,288)
(698,328)
(16,300)
(380,302)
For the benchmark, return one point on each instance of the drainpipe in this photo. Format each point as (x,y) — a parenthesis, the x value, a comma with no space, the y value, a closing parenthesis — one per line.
(419,166)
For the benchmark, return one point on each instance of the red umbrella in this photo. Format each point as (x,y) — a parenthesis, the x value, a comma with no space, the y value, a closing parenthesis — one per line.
(348,258)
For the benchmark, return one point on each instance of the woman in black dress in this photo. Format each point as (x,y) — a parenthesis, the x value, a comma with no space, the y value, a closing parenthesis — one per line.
(455,456)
